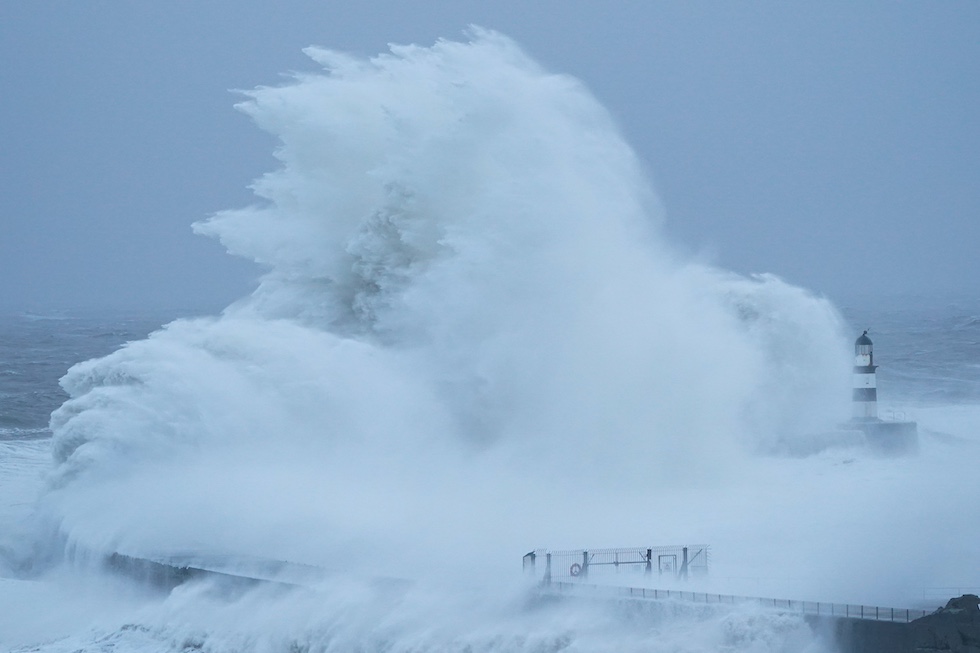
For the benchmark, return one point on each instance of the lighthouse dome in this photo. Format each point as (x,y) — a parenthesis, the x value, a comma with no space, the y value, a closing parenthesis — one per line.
(863,340)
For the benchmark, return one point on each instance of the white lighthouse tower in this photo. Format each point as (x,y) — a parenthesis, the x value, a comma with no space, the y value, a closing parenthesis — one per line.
(885,435)
(865,384)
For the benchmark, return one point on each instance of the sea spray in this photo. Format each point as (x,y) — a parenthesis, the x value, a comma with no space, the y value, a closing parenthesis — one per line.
(464,272)
(470,340)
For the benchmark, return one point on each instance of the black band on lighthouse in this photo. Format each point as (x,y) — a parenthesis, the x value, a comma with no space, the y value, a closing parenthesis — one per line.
(865,394)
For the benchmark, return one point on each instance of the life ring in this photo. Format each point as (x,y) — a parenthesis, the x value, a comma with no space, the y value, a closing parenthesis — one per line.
(575,569)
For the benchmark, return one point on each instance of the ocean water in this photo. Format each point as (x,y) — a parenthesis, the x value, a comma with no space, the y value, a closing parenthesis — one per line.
(932,345)
(471,341)
(37,349)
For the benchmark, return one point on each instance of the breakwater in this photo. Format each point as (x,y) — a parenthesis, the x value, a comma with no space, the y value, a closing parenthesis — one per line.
(954,628)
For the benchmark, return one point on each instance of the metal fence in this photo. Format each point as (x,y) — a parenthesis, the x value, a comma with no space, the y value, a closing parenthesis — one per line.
(579,564)
(839,610)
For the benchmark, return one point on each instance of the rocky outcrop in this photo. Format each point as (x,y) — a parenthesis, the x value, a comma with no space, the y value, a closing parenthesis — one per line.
(954,629)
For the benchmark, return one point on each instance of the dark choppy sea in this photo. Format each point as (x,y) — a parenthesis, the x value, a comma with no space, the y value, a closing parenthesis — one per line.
(36,349)
(928,349)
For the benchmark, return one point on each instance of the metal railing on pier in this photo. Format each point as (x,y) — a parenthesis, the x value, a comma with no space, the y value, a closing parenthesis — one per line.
(816,608)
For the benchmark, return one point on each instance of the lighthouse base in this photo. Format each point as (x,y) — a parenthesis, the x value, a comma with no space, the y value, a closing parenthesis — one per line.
(888,437)
(884,438)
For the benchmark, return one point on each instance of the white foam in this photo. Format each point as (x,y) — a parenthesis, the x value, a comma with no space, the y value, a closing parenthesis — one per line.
(470,341)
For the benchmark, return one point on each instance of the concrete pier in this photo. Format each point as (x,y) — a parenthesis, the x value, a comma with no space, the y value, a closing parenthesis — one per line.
(954,628)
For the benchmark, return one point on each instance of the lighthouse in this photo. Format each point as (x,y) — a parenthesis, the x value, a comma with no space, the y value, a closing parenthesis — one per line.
(893,435)
(865,384)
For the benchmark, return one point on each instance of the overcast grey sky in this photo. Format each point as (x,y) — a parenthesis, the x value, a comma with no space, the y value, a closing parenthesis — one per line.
(836,144)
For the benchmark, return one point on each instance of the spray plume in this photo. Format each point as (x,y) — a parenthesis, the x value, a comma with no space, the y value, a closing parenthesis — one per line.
(470,340)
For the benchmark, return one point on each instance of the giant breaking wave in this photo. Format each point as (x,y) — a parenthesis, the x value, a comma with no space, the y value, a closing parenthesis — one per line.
(471,339)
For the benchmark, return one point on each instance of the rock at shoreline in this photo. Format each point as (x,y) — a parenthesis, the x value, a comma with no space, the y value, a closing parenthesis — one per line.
(955,628)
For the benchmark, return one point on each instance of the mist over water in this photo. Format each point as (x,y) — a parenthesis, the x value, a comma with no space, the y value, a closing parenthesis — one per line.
(472,341)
